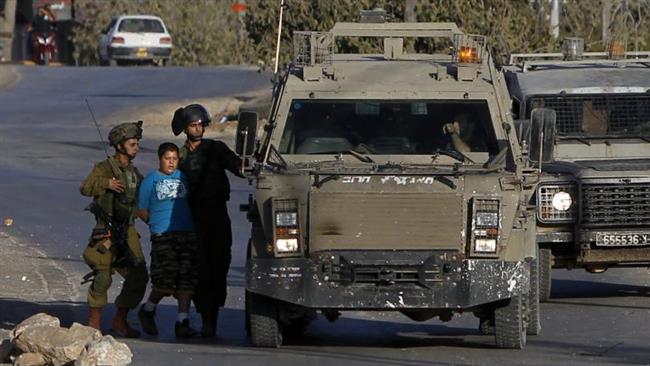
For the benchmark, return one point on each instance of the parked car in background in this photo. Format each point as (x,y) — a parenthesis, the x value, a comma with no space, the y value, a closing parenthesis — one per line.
(135,39)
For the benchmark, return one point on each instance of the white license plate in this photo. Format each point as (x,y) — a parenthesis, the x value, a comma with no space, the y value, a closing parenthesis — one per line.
(622,239)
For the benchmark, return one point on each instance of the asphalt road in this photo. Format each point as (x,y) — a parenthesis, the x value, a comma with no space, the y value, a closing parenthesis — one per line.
(49,144)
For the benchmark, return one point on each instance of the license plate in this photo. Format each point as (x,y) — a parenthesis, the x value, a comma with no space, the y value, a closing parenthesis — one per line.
(622,239)
(142,52)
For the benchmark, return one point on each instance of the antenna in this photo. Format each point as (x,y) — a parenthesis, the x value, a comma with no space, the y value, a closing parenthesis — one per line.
(277,48)
(97,126)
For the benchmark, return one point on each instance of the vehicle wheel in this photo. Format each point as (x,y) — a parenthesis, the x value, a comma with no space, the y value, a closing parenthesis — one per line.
(264,324)
(486,325)
(112,62)
(545,280)
(510,324)
(534,324)
(247,317)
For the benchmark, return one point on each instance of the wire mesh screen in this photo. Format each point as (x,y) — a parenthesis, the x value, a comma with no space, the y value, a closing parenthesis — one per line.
(598,115)
(313,48)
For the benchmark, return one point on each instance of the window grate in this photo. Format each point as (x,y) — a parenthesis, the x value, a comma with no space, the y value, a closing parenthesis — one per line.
(546,211)
(598,115)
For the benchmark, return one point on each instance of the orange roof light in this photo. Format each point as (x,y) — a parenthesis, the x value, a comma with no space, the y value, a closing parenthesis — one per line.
(468,48)
(468,55)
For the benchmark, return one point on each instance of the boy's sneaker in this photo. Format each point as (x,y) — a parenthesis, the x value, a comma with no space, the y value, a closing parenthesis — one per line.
(183,329)
(148,321)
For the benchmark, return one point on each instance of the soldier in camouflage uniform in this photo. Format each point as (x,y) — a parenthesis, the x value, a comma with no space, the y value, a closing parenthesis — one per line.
(115,243)
(204,162)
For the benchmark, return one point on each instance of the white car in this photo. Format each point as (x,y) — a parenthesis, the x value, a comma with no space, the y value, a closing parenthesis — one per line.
(135,39)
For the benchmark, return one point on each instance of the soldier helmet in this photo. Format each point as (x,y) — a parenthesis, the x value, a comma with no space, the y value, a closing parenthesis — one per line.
(188,114)
(125,131)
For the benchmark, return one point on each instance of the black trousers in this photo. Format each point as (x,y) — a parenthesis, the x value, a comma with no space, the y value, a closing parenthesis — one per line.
(212,226)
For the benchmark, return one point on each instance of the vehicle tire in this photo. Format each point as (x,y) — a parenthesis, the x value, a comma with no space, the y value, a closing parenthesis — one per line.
(247,316)
(247,295)
(510,324)
(265,327)
(112,62)
(534,324)
(545,280)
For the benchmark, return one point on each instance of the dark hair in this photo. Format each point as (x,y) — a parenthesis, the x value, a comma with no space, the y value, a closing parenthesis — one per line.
(166,146)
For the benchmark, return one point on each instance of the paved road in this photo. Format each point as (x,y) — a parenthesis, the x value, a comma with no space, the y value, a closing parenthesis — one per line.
(49,145)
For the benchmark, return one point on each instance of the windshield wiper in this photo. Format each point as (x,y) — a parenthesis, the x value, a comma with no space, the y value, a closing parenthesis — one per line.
(453,154)
(360,156)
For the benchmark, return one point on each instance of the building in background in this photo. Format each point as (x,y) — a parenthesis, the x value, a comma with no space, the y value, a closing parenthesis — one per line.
(63,11)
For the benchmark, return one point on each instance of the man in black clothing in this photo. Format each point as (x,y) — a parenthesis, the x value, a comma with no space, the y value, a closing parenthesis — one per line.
(205,162)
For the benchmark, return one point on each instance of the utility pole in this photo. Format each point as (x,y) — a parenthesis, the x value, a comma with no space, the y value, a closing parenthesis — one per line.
(607,19)
(409,11)
(555,19)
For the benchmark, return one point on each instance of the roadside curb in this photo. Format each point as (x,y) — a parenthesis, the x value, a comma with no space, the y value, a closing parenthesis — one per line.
(9,76)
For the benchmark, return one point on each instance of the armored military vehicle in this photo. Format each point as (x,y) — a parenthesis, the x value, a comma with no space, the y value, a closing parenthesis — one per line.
(391,181)
(593,205)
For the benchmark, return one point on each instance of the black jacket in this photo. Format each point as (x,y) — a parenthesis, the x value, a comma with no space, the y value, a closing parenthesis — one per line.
(205,168)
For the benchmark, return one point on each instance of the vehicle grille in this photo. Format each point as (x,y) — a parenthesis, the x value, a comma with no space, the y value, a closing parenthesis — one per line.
(355,220)
(616,204)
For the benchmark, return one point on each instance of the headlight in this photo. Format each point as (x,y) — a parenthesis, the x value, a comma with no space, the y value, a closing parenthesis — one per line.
(484,234)
(286,238)
(485,245)
(487,219)
(286,245)
(561,201)
(556,203)
(286,219)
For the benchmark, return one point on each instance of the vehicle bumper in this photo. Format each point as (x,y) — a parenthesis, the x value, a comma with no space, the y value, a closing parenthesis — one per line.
(387,280)
(586,250)
(139,53)
(618,253)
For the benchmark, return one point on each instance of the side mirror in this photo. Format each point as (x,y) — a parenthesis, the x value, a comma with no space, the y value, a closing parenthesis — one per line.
(542,136)
(246,133)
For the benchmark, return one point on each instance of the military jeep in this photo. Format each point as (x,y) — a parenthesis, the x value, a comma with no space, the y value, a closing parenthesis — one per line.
(367,195)
(593,204)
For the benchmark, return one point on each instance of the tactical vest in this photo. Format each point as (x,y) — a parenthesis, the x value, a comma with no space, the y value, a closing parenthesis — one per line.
(121,206)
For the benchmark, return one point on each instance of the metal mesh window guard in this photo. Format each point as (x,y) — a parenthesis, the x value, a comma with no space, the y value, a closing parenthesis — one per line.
(313,48)
(598,115)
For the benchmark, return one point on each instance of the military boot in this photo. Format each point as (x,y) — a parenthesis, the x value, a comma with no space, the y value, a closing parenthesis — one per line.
(120,327)
(148,321)
(95,318)
(209,324)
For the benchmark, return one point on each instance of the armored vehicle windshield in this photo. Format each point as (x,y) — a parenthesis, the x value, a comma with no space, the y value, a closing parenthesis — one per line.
(403,127)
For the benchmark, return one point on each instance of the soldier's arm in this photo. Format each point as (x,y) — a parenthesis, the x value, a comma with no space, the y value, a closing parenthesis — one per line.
(97,182)
(228,158)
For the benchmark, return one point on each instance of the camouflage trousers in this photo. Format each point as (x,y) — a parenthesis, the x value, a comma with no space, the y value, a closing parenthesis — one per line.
(174,262)
(103,263)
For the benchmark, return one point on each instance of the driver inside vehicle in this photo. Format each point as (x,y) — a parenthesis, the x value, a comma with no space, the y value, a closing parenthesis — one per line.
(460,131)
